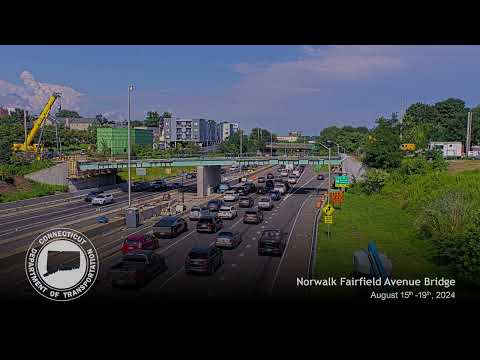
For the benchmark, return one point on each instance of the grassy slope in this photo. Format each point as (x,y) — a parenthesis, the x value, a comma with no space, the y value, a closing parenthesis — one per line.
(360,220)
(154,173)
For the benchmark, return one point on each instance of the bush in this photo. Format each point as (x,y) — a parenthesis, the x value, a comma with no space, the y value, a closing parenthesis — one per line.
(374,181)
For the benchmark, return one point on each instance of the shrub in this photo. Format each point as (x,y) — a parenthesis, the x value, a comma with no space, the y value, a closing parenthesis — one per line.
(374,181)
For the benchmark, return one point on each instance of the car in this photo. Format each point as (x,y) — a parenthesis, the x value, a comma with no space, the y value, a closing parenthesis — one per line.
(228,239)
(204,259)
(209,224)
(89,197)
(175,185)
(284,173)
(320,177)
(169,227)
(223,187)
(137,242)
(243,191)
(250,186)
(196,212)
(223,171)
(102,219)
(271,242)
(191,176)
(265,203)
(296,172)
(227,212)
(214,205)
(245,202)
(261,179)
(275,195)
(230,195)
(253,215)
(102,199)
(281,188)
(292,180)
(233,168)
(140,186)
(269,184)
(158,185)
(136,269)
(270,176)
(261,190)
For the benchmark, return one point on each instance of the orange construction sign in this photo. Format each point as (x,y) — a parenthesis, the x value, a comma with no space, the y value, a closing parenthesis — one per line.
(337,197)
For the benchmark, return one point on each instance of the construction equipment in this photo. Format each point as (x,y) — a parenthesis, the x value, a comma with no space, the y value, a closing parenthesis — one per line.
(28,147)
(408,147)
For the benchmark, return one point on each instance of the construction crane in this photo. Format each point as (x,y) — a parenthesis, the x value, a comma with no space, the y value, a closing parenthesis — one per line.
(28,147)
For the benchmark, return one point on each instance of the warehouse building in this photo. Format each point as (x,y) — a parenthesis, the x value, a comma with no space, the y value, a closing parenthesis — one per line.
(116,139)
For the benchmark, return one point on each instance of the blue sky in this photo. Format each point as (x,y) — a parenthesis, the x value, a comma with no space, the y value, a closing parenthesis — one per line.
(282,88)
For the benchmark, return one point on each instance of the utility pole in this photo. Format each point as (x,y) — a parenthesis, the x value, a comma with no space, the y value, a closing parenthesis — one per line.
(130,89)
(271,144)
(241,136)
(25,126)
(469,133)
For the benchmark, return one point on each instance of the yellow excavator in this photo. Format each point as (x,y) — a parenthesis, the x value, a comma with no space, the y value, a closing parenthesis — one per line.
(28,147)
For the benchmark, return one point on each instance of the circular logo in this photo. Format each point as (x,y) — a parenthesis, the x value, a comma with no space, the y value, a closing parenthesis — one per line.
(61,264)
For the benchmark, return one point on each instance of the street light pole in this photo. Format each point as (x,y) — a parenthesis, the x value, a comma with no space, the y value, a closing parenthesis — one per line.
(241,137)
(271,144)
(130,89)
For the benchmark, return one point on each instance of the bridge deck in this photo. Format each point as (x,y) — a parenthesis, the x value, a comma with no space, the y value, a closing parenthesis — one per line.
(208,161)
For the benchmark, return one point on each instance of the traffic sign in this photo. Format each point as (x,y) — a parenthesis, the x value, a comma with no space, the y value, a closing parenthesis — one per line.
(337,197)
(328,219)
(342,181)
(328,210)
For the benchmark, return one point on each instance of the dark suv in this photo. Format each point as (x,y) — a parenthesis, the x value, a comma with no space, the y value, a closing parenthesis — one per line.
(253,216)
(209,224)
(245,202)
(204,259)
(169,226)
(272,242)
(214,205)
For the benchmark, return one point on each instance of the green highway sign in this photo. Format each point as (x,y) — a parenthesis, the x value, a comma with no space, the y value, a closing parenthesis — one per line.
(342,181)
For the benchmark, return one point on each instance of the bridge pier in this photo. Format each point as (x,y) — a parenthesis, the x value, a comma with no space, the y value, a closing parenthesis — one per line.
(207,176)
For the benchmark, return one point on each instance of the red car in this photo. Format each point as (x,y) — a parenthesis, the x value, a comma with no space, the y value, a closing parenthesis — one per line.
(136,242)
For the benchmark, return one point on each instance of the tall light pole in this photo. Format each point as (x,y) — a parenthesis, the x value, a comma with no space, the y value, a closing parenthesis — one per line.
(130,89)
(271,144)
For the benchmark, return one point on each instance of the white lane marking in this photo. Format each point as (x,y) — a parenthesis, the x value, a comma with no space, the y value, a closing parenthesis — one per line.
(241,254)
(249,245)
(171,277)
(288,242)
(234,265)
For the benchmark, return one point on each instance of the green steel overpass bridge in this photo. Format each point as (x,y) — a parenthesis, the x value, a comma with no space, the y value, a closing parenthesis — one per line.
(97,165)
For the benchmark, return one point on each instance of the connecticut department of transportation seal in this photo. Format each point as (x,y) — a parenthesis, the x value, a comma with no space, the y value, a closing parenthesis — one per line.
(61,264)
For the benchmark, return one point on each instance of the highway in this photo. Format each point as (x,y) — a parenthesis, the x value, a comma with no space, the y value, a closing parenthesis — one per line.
(245,276)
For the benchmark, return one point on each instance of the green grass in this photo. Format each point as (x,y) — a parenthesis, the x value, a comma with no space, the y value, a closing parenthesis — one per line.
(319,168)
(365,218)
(37,190)
(154,173)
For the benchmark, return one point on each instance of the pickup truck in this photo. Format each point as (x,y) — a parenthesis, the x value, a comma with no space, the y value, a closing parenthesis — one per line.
(136,269)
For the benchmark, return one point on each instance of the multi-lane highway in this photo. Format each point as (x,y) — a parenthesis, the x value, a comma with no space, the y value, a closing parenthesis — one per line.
(245,276)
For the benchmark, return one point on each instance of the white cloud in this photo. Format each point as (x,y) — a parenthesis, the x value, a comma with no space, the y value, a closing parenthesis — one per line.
(33,94)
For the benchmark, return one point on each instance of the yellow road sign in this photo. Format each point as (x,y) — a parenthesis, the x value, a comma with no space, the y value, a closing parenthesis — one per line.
(328,219)
(328,210)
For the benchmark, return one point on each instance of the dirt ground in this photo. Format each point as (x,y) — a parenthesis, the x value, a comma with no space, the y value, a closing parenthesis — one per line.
(19,184)
(462,165)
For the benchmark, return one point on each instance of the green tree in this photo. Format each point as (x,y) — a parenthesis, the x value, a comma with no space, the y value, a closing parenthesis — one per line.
(383,151)
(152,119)
(67,113)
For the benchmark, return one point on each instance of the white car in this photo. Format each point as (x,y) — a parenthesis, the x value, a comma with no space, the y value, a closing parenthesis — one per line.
(102,199)
(292,180)
(296,172)
(265,203)
(282,189)
(230,195)
(227,212)
(233,168)
(284,173)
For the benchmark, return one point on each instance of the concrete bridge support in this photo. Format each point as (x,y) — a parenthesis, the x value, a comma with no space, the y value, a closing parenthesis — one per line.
(207,176)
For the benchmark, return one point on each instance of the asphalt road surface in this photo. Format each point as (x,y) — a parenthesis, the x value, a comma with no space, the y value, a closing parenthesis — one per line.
(244,277)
